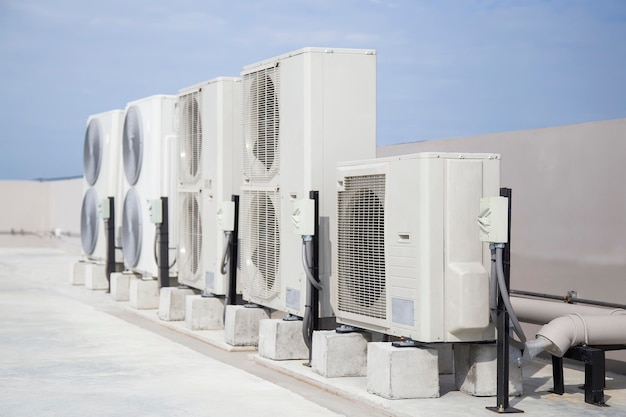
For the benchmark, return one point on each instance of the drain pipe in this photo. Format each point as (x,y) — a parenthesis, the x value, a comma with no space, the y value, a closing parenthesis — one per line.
(569,325)
(565,332)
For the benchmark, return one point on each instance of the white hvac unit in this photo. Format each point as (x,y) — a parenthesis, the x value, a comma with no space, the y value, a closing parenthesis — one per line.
(102,161)
(302,113)
(209,172)
(149,149)
(408,259)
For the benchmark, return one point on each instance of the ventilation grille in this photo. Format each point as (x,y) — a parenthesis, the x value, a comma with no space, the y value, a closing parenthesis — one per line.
(261,124)
(92,151)
(132,228)
(190,250)
(132,144)
(360,244)
(89,221)
(260,244)
(190,139)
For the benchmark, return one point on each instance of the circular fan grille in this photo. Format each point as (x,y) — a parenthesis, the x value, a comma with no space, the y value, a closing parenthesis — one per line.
(89,221)
(361,246)
(132,145)
(190,139)
(191,248)
(264,123)
(132,228)
(92,151)
(264,245)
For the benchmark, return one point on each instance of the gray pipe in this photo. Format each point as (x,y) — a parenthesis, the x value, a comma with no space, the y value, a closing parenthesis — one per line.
(538,311)
(575,329)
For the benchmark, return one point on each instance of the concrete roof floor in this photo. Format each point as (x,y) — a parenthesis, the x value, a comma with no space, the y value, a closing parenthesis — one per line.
(68,351)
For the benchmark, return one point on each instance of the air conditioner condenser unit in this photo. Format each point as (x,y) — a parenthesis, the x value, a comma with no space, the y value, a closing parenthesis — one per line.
(408,259)
(102,164)
(209,139)
(149,149)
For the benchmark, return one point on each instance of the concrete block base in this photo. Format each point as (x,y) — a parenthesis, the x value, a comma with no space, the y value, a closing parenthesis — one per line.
(396,373)
(120,286)
(204,313)
(476,372)
(445,355)
(172,303)
(242,325)
(143,294)
(96,277)
(78,272)
(339,355)
(281,340)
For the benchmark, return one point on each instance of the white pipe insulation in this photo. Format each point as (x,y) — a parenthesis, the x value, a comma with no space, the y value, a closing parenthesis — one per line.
(569,325)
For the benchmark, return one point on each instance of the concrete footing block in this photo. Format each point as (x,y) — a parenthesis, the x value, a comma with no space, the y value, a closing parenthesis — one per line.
(281,340)
(143,294)
(445,355)
(78,272)
(172,303)
(242,325)
(476,371)
(96,277)
(120,286)
(396,373)
(204,313)
(339,354)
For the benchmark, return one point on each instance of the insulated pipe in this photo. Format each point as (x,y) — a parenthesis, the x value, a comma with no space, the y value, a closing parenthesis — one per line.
(575,329)
(538,311)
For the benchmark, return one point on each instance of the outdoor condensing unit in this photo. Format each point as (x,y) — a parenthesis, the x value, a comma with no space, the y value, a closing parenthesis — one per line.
(302,113)
(149,149)
(209,172)
(408,260)
(102,163)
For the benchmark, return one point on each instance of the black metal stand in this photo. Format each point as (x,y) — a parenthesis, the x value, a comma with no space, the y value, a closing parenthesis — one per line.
(233,255)
(502,324)
(164,259)
(593,358)
(109,225)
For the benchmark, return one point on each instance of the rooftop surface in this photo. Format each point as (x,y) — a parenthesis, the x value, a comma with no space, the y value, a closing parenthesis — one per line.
(69,351)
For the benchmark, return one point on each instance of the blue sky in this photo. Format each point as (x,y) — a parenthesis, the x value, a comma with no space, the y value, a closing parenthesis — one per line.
(446,68)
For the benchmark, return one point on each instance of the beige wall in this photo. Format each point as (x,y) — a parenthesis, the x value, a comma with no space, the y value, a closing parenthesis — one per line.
(569,204)
(41,206)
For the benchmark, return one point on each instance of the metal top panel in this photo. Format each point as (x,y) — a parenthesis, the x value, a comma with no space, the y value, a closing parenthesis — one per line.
(424,155)
(198,86)
(307,50)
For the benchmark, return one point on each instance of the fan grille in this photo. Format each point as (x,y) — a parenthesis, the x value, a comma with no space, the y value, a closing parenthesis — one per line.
(261,124)
(190,139)
(261,244)
(360,244)
(132,228)
(132,145)
(190,256)
(89,221)
(92,151)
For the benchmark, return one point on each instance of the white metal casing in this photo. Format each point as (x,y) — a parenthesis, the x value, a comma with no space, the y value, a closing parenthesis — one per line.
(155,178)
(219,177)
(325,112)
(108,178)
(408,261)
